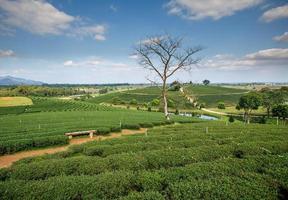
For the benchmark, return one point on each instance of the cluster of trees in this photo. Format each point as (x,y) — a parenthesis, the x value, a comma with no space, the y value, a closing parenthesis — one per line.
(273,100)
(43,91)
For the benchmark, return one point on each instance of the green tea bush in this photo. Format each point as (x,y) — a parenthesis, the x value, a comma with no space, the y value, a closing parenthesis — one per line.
(146,125)
(130,126)
(103,131)
(8,147)
(116,129)
(150,195)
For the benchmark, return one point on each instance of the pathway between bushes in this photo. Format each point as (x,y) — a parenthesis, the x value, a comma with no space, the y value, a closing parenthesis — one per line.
(7,160)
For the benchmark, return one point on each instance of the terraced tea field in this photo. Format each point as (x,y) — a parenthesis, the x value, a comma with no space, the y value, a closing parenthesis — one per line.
(210,95)
(231,161)
(45,122)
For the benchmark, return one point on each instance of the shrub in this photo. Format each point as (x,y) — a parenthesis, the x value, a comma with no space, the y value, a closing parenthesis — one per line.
(176,112)
(103,131)
(146,125)
(94,151)
(231,119)
(149,109)
(131,126)
(116,129)
(238,153)
(133,102)
(155,102)
(150,195)
(221,105)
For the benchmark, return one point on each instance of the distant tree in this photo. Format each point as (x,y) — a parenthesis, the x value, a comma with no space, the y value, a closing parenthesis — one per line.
(155,102)
(175,86)
(272,98)
(221,105)
(231,119)
(165,55)
(103,91)
(133,102)
(280,111)
(206,82)
(249,102)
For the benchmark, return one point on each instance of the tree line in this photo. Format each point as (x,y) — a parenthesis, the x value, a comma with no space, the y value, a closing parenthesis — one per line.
(274,101)
(43,91)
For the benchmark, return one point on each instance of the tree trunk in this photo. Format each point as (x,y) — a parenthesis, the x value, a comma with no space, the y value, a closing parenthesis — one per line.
(165,105)
(268,112)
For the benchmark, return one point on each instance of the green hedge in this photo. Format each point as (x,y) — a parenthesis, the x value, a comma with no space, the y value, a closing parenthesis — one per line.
(131,126)
(227,178)
(8,147)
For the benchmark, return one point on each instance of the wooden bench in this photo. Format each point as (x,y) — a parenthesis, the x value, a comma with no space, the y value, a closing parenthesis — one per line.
(79,133)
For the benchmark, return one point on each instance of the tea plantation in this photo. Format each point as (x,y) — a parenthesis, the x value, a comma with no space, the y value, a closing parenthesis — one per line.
(45,122)
(233,161)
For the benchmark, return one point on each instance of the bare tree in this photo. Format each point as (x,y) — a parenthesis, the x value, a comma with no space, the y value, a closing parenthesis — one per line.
(165,55)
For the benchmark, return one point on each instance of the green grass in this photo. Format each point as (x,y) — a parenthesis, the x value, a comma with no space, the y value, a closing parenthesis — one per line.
(14,101)
(50,118)
(211,95)
(143,95)
(233,161)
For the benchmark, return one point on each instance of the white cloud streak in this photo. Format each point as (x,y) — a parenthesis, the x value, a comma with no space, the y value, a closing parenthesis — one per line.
(6,53)
(215,9)
(275,14)
(282,38)
(276,57)
(42,18)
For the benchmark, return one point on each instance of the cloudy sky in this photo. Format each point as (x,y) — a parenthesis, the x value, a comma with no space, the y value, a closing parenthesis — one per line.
(74,41)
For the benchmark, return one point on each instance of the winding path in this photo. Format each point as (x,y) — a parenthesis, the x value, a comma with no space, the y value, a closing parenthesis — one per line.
(8,160)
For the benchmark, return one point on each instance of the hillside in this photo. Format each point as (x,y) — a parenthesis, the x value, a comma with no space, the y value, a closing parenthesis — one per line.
(9,80)
(210,95)
(172,162)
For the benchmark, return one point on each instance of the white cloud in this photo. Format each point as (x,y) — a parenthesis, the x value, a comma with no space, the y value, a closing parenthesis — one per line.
(40,17)
(215,9)
(6,53)
(269,54)
(96,32)
(95,63)
(263,58)
(275,13)
(35,16)
(281,38)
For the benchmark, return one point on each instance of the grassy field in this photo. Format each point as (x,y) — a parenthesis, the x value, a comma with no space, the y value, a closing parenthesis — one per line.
(233,161)
(210,95)
(15,101)
(45,122)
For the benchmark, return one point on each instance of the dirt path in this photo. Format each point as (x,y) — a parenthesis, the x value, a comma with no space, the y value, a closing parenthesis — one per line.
(214,112)
(7,160)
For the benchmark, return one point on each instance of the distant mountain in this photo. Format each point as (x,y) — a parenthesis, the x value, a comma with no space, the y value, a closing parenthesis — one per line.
(9,80)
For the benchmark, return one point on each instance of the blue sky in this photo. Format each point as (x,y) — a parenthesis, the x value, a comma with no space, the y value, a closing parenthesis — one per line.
(91,41)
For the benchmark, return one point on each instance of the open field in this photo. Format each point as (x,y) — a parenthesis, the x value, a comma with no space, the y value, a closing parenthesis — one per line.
(172,162)
(14,101)
(210,95)
(45,123)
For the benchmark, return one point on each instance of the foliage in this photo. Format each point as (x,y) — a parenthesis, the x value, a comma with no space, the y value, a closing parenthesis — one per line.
(249,102)
(280,111)
(221,105)
(206,82)
(231,162)
(231,119)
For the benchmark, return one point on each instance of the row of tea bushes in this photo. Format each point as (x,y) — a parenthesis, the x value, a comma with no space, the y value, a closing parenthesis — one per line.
(12,146)
(227,178)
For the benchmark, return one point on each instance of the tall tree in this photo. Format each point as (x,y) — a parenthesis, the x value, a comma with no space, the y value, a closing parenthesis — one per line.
(165,55)
(249,102)
(272,98)
(206,82)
